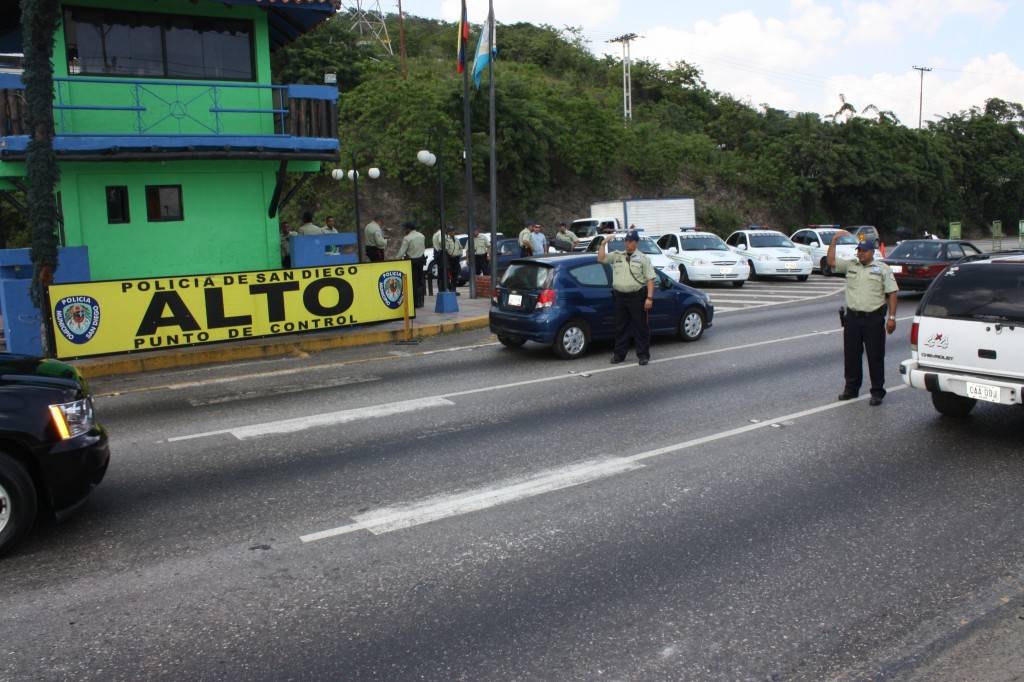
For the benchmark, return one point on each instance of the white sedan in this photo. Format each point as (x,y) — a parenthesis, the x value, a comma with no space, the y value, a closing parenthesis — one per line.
(647,246)
(703,257)
(815,239)
(769,252)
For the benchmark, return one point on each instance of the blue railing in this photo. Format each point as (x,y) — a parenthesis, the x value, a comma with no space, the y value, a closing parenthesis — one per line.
(168,107)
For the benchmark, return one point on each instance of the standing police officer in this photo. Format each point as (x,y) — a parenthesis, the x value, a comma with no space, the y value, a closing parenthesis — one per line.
(870,294)
(633,291)
(412,247)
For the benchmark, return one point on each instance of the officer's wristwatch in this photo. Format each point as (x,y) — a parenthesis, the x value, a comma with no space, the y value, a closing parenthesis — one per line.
(892,317)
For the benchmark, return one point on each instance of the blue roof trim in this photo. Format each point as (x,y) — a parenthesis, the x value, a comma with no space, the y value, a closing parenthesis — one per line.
(323,92)
(11,81)
(103,143)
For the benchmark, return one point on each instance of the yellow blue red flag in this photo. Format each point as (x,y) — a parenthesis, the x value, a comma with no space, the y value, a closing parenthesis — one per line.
(463,39)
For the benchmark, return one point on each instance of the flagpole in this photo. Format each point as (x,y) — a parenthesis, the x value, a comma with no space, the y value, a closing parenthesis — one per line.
(493,141)
(467,155)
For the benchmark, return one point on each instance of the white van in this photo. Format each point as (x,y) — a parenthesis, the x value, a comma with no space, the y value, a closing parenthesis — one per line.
(968,334)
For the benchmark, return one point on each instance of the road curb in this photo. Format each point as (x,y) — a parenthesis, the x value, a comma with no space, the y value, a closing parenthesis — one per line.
(194,356)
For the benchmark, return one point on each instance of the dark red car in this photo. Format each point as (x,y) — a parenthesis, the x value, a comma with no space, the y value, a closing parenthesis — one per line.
(916,262)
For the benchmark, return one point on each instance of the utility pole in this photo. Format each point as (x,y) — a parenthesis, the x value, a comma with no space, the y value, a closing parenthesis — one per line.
(401,41)
(920,95)
(627,83)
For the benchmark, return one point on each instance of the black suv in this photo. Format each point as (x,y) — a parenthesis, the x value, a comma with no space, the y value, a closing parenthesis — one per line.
(52,451)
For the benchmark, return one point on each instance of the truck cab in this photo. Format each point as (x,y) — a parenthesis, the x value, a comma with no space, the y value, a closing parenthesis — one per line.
(587,228)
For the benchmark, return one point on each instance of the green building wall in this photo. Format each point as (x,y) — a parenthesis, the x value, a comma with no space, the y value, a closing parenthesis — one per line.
(225,226)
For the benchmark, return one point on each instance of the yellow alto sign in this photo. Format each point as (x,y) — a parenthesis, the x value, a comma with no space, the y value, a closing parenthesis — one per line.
(120,316)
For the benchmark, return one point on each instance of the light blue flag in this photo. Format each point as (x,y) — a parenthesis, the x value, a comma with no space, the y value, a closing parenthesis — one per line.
(485,51)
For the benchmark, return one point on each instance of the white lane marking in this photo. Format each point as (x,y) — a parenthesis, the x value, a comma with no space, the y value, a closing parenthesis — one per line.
(325,419)
(445,398)
(752,295)
(390,519)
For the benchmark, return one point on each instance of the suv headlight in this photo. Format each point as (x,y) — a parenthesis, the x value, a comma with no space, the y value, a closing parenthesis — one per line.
(764,258)
(700,261)
(672,266)
(807,256)
(72,419)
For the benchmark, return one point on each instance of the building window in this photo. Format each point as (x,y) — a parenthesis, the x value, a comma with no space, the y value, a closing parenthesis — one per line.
(117,205)
(104,42)
(163,203)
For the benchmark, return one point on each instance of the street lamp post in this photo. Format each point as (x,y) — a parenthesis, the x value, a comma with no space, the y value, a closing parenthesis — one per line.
(446,301)
(338,174)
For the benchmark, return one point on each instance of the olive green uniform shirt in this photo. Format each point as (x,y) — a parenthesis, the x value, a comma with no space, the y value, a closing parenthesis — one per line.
(567,238)
(866,285)
(524,237)
(412,246)
(451,245)
(630,274)
(375,235)
(481,245)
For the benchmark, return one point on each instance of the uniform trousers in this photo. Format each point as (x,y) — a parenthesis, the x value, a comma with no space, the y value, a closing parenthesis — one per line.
(864,332)
(631,323)
(482,267)
(375,254)
(418,288)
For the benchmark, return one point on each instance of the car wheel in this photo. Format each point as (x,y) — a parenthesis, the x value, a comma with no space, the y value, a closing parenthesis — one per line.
(18,502)
(691,324)
(572,340)
(753,272)
(739,282)
(511,341)
(953,405)
(802,278)
(683,276)
(825,269)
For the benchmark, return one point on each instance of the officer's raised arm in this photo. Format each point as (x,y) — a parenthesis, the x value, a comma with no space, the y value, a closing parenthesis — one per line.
(601,253)
(831,255)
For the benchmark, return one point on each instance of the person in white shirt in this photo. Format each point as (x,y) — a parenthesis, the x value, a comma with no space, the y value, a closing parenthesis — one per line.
(307,226)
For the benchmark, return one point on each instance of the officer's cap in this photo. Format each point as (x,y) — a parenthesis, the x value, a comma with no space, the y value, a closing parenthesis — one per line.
(632,236)
(866,245)
(408,226)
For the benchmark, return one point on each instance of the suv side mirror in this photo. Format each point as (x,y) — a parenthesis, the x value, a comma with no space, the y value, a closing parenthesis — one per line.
(672,251)
(742,247)
(814,245)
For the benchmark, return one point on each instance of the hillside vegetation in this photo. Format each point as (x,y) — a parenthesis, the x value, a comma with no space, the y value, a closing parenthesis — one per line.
(562,142)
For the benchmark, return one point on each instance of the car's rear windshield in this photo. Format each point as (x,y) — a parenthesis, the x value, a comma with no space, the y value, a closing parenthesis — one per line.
(845,240)
(645,246)
(993,292)
(760,241)
(703,244)
(929,250)
(526,276)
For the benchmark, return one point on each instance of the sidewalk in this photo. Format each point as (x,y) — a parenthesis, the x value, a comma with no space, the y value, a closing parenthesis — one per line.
(472,314)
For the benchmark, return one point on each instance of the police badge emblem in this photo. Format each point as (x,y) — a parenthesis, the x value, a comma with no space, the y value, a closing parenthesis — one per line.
(390,287)
(78,318)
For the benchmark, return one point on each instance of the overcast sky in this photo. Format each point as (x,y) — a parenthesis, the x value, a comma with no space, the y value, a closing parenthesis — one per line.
(800,55)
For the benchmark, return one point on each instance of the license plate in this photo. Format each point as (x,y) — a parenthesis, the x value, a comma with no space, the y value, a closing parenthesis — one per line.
(896,269)
(516,300)
(790,266)
(990,394)
(724,271)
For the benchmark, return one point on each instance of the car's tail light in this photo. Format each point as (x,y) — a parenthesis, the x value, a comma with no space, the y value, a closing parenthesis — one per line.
(881,247)
(913,335)
(72,419)
(546,299)
(496,296)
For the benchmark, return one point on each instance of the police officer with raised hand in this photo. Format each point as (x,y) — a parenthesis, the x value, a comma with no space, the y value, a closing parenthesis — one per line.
(870,314)
(633,292)
(412,247)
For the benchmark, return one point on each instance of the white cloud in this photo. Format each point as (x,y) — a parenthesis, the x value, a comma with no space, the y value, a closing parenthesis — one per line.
(945,91)
(756,59)
(889,21)
(555,12)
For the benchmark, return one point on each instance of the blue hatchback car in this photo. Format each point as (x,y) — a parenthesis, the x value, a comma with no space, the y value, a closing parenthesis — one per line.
(566,302)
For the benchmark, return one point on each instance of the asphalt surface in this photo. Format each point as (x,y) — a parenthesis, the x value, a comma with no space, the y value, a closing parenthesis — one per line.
(502,514)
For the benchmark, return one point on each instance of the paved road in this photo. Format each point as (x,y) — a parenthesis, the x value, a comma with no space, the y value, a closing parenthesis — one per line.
(460,511)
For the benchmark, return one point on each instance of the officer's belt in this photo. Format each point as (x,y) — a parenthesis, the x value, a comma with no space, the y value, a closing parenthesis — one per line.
(627,293)
(866,313)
